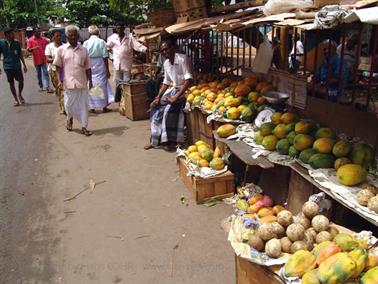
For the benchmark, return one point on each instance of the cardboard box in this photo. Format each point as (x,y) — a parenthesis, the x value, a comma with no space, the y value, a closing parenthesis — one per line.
(219,186)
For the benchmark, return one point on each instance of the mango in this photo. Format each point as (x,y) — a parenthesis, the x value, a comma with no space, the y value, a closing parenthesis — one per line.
(192,148)
(208,155)
(302,142)
(279,131)
(299,263)
(265,212)
(194,157)
(233,113)
(341,149)
(269,142)
(247,114)
(363,154)
(203,163)
(325,133)
(351,174)
(276,118)
(266,128)
(321,161)
(324,145)
(217,152)
(200,142)
(217,164)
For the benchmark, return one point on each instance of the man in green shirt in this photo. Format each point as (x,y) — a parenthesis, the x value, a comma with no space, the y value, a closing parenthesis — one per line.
(12,58)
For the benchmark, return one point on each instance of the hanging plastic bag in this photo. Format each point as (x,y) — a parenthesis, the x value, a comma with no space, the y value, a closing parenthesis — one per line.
(97,92)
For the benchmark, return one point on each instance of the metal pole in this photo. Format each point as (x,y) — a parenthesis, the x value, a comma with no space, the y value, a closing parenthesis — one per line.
(36,10)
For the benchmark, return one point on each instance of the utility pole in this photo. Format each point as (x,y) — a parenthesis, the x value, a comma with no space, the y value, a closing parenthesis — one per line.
(36,10)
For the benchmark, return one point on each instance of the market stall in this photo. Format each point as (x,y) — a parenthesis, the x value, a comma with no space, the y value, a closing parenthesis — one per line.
(291,148)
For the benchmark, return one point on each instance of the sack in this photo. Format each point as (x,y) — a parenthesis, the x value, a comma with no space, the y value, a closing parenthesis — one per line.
(273,7)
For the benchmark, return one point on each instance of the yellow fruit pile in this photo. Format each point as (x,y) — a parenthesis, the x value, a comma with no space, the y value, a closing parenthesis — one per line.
(202,155)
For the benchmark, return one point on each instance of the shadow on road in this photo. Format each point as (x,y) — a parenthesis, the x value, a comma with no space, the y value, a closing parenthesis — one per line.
(117,131)
(39,104)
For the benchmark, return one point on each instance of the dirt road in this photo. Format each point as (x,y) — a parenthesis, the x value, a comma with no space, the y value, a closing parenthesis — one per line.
(130,229)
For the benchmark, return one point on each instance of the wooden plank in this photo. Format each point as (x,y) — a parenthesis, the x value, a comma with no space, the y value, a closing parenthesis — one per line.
(251,273)
(237,6)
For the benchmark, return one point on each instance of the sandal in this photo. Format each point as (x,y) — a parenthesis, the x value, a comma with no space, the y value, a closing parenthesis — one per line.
(85,132)
(92,110)
(22,100)
(69,124)
(105,110)
(16,104)
(149,146)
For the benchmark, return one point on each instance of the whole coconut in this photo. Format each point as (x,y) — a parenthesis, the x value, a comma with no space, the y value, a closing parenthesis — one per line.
(370,187)
(333,231)
(320,223)
(304,221)
(323,236)
(265,232)
(273,248)
(364,196)
(295,232)
(285,218)
(373,204)
(256,242)
(309,239)
(278,229)
(310,209)
(312,232)
(298,245)
(286,244)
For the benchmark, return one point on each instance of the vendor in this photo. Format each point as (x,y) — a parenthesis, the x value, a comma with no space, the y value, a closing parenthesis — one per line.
(167,117)
(328,78)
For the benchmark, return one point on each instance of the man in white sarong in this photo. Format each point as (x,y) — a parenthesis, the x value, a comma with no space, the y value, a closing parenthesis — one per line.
(167,117)
(98,54)
(74,60)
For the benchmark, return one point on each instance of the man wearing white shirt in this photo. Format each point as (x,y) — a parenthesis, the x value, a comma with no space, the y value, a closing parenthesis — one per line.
(122,47)
(167,118)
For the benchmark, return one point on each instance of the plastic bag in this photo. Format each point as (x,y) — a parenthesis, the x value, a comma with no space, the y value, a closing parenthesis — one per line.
(273,7)
(97,92)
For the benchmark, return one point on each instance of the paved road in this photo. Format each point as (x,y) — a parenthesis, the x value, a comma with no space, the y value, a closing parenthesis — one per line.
(131,229)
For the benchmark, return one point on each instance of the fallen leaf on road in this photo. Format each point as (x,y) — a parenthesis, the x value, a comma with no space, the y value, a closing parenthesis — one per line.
(76,195)
(212,202)
(69,212)
(116,237)
(93,184)
(142,236)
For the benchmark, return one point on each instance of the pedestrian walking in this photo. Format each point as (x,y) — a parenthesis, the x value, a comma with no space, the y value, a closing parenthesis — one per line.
(122,47)
(98,54)
(167,117)
(36,45)
(50,53)
(74,60)
(12,58)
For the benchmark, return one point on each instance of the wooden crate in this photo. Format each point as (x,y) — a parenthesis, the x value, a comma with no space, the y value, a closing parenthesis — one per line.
(136,106)
(192,129)
(134,88)
(203,189)
(205,129)
(251,273)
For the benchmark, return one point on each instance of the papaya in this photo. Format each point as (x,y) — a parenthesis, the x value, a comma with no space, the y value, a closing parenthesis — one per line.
(319,247)
(360,258)
(299,263)
(351,174)
(305,155)
(321,161)
(269,142)
(363,154)
(325,133)
(341,162)
(370,277)
(289,127)
(326,252)
(311,277)
(303,127)
(292,151)
(253,96)
(203,163)
(302,142)
(371,262)
(190,98)
(197,100)
(200,142)
(291,137)
(250,81)
(226,130)
(241,108)
(341,149)
(194,157)
(202,148)
(217,164)
(346,242)
(232,102)
(258,137)
(324,145)
(288,117)
(192,148)
(276,118)
(208,155)
(233,113)
(266,128)
(247,115)
(336,269)
(242,90)
(283,146)
(279,131)
(217,152)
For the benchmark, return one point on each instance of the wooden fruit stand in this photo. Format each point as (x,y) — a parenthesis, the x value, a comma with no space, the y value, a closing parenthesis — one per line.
(134,101)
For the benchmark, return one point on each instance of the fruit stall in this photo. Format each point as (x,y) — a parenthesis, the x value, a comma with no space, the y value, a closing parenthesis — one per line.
(303,162)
